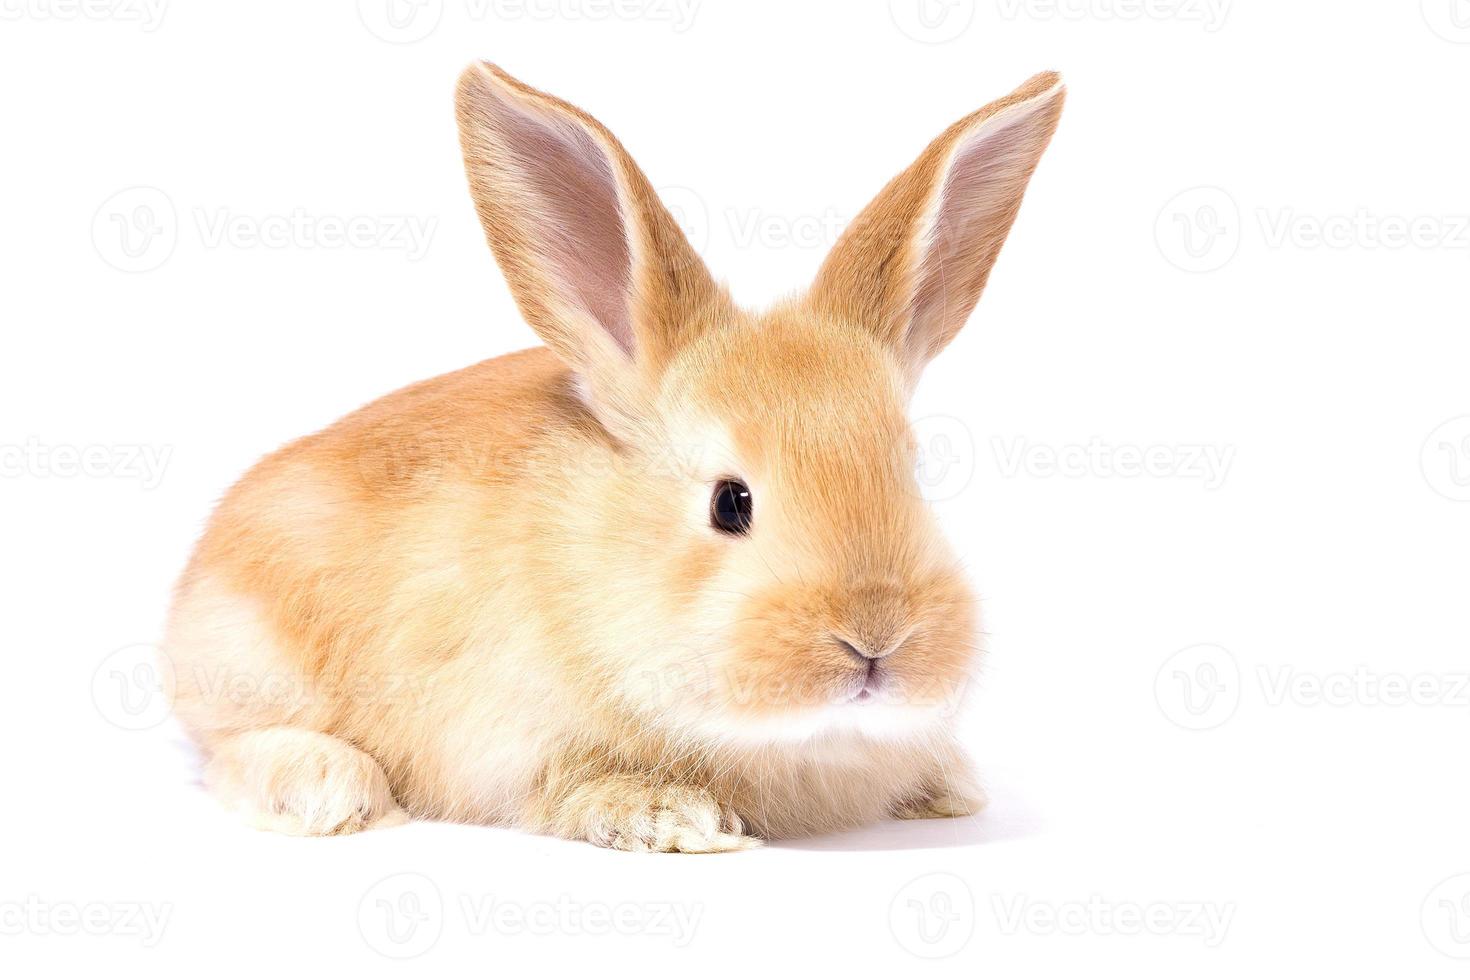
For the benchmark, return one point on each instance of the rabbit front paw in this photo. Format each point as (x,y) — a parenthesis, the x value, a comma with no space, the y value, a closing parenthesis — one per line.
(629,815)
(302,783)
(939,804)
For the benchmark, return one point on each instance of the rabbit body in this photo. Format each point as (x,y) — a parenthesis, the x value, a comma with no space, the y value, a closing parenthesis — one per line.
(498,597)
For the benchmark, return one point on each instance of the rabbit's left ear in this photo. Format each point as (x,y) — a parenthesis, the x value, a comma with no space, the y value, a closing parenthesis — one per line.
(912,265)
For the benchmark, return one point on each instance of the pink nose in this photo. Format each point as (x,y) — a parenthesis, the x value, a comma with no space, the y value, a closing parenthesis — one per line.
(873,620)
(862,652)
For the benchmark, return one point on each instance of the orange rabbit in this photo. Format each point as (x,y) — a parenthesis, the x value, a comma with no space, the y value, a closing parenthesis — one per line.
(667,583)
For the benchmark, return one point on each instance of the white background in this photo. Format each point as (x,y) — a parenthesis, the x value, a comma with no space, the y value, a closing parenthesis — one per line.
(1248,243)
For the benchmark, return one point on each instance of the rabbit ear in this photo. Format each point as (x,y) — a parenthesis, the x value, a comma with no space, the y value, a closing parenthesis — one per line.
(596,263)
(912,264)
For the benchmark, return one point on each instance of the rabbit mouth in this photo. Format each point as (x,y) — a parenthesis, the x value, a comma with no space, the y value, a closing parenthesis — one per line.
(873,684)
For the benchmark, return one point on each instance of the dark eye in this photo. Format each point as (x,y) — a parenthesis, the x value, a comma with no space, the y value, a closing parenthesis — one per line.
(730,507)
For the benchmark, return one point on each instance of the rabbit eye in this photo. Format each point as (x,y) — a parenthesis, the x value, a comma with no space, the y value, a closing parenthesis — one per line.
(730,507)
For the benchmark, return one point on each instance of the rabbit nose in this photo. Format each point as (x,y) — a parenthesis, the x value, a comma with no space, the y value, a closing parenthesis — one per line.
(863,652)
(872,622)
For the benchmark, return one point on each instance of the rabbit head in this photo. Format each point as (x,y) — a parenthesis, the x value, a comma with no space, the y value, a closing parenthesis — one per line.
(764,471)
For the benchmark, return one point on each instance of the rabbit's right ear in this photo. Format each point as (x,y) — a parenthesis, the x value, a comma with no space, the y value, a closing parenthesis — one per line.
(597,265)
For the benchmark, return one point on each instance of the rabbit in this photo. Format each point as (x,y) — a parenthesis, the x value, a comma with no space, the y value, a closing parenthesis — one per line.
(667,583)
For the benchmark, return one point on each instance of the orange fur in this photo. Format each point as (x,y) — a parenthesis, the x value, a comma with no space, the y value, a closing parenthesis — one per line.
(495,596)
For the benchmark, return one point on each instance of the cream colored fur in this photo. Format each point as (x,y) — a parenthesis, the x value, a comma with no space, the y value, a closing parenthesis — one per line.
(496,596)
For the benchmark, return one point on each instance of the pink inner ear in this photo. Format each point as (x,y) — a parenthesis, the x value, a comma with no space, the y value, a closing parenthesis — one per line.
(577,231)
(981,193)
